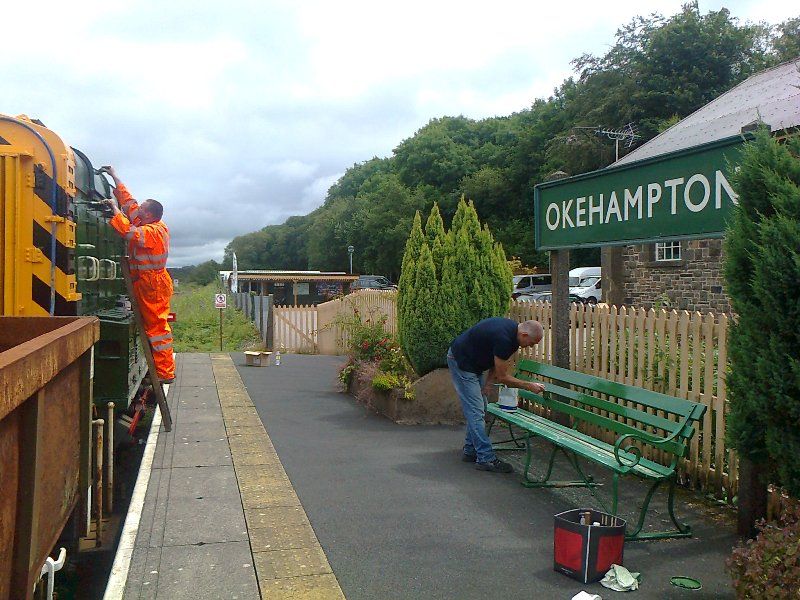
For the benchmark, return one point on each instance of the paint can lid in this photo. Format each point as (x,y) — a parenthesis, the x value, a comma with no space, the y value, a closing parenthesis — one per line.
(686,583)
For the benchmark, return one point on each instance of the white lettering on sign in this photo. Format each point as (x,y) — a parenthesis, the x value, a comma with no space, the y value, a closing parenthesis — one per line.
(722,184)
(613,207)
(673,184)
(696,192)
(598,210)
(687,193)
(580,211)
(633,200)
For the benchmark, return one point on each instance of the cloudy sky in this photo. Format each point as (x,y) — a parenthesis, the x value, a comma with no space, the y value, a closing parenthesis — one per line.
(241,113)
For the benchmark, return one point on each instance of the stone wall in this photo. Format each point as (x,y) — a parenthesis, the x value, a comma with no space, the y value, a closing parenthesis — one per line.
(694,283)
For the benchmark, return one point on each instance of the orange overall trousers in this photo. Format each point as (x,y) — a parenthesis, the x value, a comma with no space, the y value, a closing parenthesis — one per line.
(148,248)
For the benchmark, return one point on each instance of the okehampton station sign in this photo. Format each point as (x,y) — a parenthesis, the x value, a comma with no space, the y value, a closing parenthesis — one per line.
(681,195)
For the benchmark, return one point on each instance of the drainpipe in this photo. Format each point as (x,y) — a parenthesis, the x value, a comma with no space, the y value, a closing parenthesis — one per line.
(110,459)
(98,479)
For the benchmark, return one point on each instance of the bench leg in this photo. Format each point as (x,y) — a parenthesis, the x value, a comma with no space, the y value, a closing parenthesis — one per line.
(499,446)
(683,530)
(545,482)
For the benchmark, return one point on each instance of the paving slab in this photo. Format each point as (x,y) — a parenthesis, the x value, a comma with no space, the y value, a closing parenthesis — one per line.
(212,572)
(204,520)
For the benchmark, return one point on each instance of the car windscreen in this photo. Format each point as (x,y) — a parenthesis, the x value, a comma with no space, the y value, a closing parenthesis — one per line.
(588,281)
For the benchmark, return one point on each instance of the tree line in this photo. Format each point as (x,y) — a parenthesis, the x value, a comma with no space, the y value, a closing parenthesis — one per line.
(659,70)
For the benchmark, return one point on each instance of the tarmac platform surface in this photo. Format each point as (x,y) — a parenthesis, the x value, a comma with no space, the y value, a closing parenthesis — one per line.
(328,500)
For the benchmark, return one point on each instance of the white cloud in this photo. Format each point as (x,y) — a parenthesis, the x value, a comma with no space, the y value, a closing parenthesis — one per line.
(242,113)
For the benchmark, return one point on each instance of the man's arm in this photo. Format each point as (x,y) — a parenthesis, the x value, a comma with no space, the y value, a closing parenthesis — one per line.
(501,374)
(127,203)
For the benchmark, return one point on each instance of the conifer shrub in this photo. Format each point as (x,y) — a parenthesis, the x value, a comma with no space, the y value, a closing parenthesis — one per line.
(762,270)
(450,280)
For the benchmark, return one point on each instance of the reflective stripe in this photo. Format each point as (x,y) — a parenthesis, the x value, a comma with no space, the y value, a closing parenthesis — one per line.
(158,338)
(151,257)
(131,232)
(162,347)
(157,267)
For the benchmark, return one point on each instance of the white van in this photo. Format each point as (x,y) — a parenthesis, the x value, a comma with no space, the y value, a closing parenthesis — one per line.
(531,284)
(584,284)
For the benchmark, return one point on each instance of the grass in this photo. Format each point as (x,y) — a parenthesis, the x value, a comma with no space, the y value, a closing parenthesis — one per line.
(197,325)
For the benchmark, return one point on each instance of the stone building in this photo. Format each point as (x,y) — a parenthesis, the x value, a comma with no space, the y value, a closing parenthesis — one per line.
(687,273)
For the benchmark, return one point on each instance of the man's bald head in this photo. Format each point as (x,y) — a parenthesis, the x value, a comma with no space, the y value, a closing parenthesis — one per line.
(529,333)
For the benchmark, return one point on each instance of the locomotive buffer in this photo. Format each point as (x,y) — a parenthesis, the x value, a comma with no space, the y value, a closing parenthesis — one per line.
(166,418)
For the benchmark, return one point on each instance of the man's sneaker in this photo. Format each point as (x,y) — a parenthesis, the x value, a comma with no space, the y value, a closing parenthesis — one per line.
(469,457)
(495,466)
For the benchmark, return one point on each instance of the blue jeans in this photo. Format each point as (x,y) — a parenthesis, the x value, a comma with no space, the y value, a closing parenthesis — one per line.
(468,387)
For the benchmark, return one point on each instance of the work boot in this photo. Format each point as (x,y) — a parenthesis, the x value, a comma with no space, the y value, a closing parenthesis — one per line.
(495,466)
(470,458)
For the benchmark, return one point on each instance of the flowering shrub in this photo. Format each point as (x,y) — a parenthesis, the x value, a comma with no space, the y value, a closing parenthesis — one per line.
(346,373)
(369,344)
(769,566)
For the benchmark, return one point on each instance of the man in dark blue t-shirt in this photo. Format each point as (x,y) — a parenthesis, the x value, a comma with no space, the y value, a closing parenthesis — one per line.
(488,346)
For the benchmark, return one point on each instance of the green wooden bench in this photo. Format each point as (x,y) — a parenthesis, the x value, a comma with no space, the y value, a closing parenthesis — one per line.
(581,399)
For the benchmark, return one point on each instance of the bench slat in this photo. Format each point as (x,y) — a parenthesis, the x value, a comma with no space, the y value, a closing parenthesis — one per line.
(581,443)
(620,410)
(655,400)
(675,446)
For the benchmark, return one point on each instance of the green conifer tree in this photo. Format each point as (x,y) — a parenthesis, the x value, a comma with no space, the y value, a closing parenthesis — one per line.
(435,236)
(423,332)
(405,286)
(762,268)
(468,282)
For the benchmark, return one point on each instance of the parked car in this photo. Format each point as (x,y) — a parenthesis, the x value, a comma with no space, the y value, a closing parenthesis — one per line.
(584,284)
(588,290)
(535,297)
(372,282)
(531,284)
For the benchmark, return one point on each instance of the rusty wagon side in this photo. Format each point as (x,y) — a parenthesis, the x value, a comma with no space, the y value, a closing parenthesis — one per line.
(45,438)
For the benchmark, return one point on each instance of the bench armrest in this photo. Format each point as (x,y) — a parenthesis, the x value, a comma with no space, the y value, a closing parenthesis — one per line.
(637,452)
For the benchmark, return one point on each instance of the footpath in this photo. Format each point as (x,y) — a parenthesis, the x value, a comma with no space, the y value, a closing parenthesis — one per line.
(220,518)
(273,484)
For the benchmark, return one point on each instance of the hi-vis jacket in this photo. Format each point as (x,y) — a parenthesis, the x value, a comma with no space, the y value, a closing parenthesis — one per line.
(148,245)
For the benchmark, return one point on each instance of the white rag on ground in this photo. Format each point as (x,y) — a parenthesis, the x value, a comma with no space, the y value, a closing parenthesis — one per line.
(619,579)
(586,596)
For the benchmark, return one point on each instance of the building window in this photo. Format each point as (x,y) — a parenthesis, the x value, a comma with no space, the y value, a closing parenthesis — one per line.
(668,251)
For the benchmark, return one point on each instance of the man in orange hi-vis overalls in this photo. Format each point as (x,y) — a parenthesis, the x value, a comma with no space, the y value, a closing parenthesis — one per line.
(148,247)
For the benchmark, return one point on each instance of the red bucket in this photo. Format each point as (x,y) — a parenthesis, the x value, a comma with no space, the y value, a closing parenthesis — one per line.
(585,551)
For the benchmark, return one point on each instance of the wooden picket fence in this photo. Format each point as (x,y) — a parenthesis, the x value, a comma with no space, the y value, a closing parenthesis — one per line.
(295,328)
(677,353)
(371,305)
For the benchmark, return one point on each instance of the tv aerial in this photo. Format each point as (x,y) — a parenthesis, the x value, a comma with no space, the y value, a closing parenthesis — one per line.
(627,134)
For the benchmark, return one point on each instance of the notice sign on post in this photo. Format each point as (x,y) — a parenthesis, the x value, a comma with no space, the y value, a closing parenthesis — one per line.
(220,301)
(681,195)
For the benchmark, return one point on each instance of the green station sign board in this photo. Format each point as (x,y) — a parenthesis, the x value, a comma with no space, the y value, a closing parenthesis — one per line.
(685,194)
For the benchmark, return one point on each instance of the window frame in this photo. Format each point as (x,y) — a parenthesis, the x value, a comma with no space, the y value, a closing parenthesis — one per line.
(673,247)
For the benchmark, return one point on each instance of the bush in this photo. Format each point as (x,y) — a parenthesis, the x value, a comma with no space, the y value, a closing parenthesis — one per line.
(769,566)
(449,281)
(762,268)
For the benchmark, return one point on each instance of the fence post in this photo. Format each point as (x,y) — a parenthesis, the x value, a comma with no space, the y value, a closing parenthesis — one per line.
(269,331)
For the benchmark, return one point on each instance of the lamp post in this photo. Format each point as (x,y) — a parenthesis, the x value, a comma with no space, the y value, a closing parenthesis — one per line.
(350,250)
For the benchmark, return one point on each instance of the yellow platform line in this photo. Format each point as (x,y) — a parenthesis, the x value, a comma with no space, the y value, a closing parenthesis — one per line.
(288,557)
